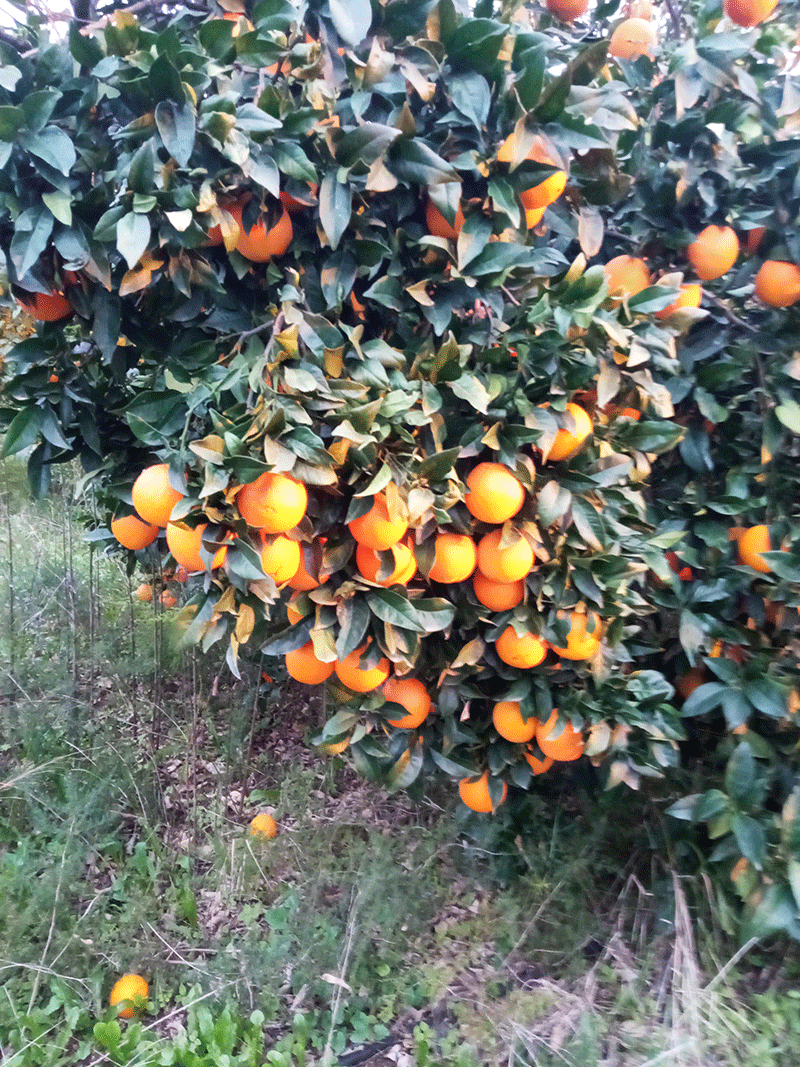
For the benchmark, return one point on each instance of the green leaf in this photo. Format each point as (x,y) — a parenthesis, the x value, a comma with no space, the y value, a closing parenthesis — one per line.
(450,766)
(776,910)
(84,50)
(362,145)
(789,414)
(354,618)
(261,168)
(133,237)
(704,699)
(335,207)
(554,501)
(292,161)
(395,608)
(52,146)
(434,613)
(351,19)
(12,119)
(750,838)
(165,82)
(740,774)
(413,161)
(177,127)
(709,805)
(406,769)
(60,205)
(39,107)
(472,389)
(31,233)
(23,431)
(141,175)
(108,1034)
(471,95)
(476,44)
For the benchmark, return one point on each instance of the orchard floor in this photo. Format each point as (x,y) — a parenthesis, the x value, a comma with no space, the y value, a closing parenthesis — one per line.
(375,928)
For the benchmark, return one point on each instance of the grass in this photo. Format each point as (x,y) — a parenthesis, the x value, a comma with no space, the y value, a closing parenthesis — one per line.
(552,934)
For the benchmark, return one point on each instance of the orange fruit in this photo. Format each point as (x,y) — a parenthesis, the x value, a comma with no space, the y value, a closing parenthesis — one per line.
(627,276)
(568,442)
(580,644)
(273,503)
(495,494)
(376,529)
(455,558)
(567,10)
(508,721)
(523,652)
(713,252)
(533,216)
(475,794)
(168,599)
(568,745)
(153,496)
(185,544)
(437,224)
(688,682)
(302,580)
(132,533)
(751,544)
(690,297)
(749,13)
(778,283)
(504,565)
(260,244)
(753,239)
(145,592)
(45,307)
(133,989)
(630,413)
(498,596)
(280,556)
(405,566)
(303,665)
(684,573)
(545,192)
(361,681)
(263,826)
(538,766)
(633,38)
(411,694)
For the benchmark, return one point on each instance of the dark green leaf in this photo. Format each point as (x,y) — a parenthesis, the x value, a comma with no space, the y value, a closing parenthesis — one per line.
(396,609)
(406,769)
(750,838)
(12,119)
(176,124)
(740,774)
(704,699)
(471,96)
(335,207)
(23,431)
(51,145)
(31,233)
(165,82)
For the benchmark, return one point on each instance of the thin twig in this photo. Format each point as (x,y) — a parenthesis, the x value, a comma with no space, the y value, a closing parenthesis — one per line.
(730,316)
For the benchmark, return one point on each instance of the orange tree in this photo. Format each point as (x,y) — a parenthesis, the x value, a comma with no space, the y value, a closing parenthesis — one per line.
(451,353)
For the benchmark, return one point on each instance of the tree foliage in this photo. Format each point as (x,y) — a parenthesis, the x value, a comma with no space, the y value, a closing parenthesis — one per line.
(375,357)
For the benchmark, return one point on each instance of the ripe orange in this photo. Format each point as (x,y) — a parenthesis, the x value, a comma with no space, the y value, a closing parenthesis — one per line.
(633,38)
(303,665)
(132,988)
(580,643)
(274,503)
(185,543)
(538,766)
(533,216)
(263,826)
(280,556)
(751,544)
(684,573)
(413,696)
(45,307)
(568,745)
(568,442)
(495,494)
(523,652)
(627,276)
(690,297)
(132,533)
(153,496)
(504,564)
(498,596)
(630,413)
(302,580)
(508,721)
(475,794)
(778,283)
(168,599)
(545,192)
(260,244)
(713,252)
(749,13)
(361,681)
(688,682)
(405,566)
(455,559)
(376,529)
(567,10)
(438,226)
(145,592)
